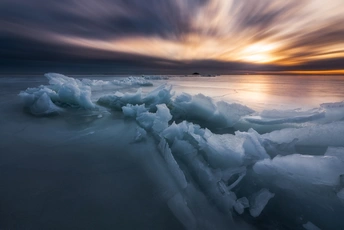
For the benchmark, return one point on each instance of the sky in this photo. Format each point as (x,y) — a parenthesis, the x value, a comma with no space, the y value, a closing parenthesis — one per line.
(172,36)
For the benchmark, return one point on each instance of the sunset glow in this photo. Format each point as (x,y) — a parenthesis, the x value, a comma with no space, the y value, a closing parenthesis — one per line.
(292,33)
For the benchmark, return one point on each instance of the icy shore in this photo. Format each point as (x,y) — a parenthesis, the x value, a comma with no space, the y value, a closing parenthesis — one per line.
(248,177)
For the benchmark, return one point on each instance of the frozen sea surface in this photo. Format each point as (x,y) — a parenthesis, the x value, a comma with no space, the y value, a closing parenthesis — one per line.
(171,152)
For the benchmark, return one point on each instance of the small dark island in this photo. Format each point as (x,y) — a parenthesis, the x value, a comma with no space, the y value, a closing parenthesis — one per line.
(196,73)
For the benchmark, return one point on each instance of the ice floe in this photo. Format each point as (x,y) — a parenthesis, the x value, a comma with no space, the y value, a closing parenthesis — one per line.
(258,168)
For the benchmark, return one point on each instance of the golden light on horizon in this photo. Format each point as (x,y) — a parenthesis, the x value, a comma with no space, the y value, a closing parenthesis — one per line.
(191,49)
(317,72)
(258,53)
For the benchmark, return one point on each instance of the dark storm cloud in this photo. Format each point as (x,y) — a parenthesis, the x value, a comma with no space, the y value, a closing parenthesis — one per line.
(102,19)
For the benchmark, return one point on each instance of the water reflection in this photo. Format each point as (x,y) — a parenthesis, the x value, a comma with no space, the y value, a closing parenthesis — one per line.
(267,91)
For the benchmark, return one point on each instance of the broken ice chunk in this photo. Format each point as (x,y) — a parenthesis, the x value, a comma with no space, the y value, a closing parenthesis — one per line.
(160,95)
(132,81)
(180,209)
(172,164)
(198,107)
(43,105)
(310,226)
(163,116)
(333,105)
(273,117)
(336,152)
(203,110)
(140,134)
(274,149)
(259,200)
(241,204)
(62,91)
(133,110)
(330,134)
(252,145)
(133,98)
(118,100)
(340,194)
(175,131)
(146,120)
(183,149)
(305,169)
(237,181)
(222,151)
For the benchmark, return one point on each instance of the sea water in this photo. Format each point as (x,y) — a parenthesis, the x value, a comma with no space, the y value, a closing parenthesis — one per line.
(171,152)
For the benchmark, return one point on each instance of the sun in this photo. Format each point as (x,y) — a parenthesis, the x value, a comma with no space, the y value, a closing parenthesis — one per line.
(258,53)
(258,58)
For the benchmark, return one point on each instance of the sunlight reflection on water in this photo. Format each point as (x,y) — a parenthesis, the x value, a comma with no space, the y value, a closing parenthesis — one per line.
(266,91)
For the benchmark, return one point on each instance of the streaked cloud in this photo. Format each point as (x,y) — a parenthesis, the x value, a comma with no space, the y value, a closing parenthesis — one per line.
(290,33)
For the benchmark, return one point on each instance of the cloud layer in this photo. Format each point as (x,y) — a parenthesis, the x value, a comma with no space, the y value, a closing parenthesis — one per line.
(280,35)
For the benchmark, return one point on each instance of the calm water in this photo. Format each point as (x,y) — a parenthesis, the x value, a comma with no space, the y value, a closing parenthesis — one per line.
(267,91)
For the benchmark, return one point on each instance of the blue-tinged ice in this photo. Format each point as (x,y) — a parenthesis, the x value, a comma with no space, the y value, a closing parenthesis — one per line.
(126,82)
(160,95)
(336,152)
(156,77)
(44,106)
(156,121)
(310,226)
(223,151)
(63,91)
(118,99)
(274,117)
(140,134)
(221,167)
(241,204)
(330,134)
(340,194)
(172,164)
(180,209)
(333,105)
(203,110)
(132,81)
(259,200)
(133,110)
(175,131)
(303,169)
(253,146)
(163,116)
